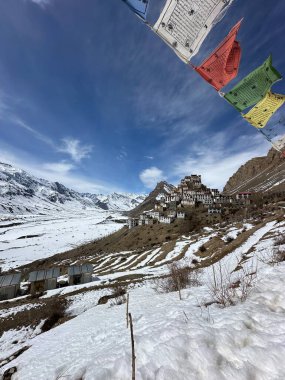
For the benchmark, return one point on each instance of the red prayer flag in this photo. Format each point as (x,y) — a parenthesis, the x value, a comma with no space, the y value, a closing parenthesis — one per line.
(222,65)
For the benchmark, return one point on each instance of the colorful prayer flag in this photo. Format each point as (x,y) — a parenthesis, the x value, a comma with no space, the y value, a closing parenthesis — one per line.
(223,64)
(253,87)
(185,24)
(138,6)
(259,115)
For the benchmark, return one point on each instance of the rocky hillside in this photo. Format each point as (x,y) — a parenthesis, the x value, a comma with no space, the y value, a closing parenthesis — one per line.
(22,193)
(160,190)
(259,174)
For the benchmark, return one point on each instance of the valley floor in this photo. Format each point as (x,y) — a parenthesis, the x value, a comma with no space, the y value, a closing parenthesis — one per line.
(26,238)
(186,339)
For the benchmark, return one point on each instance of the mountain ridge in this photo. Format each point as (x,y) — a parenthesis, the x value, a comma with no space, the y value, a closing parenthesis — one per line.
(260,174)
(23,193)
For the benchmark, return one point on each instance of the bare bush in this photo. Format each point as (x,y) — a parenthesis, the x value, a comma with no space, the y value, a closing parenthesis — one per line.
(273,257)
(228,288)
(277,256)
(118,296)
(280,240)
(202,248)
(178,278)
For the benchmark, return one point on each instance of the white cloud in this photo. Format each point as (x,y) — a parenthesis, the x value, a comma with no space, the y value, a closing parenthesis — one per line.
(63,172)
(151,176)
(41,3)
(75,149)
(59,168)
(217,162)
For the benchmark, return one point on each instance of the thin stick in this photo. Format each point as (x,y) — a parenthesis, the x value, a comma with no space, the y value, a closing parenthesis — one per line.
(133,349)
(187,319)
(179,288)
(127,312)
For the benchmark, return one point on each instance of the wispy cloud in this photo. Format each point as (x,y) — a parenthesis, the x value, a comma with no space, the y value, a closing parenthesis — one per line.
(59,168)
(75,149)
(218,159)
(20,123)
(72,147)
(122,154)
(151,176)
(41,3)
(63,172)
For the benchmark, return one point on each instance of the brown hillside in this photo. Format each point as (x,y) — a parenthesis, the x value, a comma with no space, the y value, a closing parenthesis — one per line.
(259,174)
(148,204)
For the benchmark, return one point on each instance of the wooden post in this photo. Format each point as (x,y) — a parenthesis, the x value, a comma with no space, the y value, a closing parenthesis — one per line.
(179,288)
(133,349)
(127,312)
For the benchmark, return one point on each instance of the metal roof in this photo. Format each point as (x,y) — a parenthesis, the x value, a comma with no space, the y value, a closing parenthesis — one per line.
(10,280)
(40,275)
(79,269)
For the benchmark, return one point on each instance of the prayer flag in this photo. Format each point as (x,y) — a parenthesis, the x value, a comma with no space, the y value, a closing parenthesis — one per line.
(185,24)
(253,87)
(223,64)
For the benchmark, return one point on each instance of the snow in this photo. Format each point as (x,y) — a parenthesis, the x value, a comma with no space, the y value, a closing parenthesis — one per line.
(234,232)
(51,235)
(174,339)
(4,313)
(22,337)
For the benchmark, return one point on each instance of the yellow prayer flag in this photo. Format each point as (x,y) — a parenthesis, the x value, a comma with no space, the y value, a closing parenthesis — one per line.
(259,115)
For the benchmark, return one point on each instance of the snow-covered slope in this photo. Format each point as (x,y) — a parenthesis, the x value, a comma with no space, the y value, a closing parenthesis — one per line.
(22,193)
(174,339)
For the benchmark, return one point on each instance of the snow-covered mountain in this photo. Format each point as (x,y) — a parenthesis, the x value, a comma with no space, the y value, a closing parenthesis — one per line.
(22,193)
(116,201)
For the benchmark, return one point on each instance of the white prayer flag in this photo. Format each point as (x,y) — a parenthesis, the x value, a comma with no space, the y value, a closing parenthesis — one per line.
(184,24)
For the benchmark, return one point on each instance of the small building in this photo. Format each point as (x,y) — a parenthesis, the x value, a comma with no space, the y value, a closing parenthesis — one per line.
(42,280)
(156,214)
(180,215)
(149,222)
(80,274)
(171,214)
(9,286)
(132,222)
(245,195)
(141,222)
(166,219)
(215,192)
(214,210)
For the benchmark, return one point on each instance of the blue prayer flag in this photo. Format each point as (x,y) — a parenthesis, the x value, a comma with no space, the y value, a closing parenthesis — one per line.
(138,6)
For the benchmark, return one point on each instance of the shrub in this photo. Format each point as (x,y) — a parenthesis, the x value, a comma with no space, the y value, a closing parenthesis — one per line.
(202,248)
(278,256)
(229,239)
(280,240)
(119,296)
(177,279)
(227,290)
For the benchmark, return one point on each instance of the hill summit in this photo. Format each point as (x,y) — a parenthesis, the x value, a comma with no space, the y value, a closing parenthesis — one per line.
(260,174)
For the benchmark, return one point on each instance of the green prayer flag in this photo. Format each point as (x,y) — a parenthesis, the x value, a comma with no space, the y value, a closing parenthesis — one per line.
(253,87)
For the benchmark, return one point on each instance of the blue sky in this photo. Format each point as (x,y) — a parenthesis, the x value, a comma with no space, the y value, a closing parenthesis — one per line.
(90,97)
